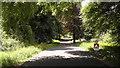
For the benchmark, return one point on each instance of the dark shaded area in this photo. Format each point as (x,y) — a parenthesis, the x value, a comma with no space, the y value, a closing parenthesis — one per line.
(55,43)
(65,39)
(61,61)
(80,53)
(78,43)
(109,53)
(45,26)
(84,58)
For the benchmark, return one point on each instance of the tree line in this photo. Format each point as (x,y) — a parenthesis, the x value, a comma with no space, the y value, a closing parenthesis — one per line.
(34,22)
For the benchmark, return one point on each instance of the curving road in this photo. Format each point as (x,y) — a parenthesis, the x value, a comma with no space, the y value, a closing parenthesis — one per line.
(64,55)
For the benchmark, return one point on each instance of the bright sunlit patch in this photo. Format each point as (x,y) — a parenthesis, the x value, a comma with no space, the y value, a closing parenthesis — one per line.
(85,2)
(64,42)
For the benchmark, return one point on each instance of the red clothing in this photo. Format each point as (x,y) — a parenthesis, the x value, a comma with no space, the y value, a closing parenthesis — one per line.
(96,45)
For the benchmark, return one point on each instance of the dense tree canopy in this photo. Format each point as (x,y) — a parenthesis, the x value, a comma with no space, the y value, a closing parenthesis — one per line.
(44,24)
(15,20)
(40,22)
(71,18)
(102,17)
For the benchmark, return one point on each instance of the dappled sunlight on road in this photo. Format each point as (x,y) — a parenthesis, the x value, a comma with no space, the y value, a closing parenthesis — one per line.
(64,55)
(65,51)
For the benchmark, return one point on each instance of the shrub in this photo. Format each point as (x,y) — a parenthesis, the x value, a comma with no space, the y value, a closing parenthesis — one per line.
(20,55)
(8,43)
(106,38)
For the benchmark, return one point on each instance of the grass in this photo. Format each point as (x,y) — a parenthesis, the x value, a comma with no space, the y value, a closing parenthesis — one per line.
(107,52)
(12,58)
(70,37)
(87,45)
(56,41)
(44,46)
(20,55)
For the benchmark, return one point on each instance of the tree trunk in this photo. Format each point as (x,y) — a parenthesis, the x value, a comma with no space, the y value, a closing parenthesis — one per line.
(59,37)
(73,37)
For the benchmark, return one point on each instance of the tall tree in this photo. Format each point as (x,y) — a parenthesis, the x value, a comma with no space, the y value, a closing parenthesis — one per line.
(45,25)
(15,20)
(73,21)
(103,17)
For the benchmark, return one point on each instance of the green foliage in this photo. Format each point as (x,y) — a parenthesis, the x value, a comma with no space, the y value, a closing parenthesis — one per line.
(49,15)
(21,54)
(15,20)
(12,58)
(107,52)
(102,17)
(87,45)
(110,54)
(45,26)
(8,43)
(45,46)
(106,38)
(70,18)
(29,24)
(56,41)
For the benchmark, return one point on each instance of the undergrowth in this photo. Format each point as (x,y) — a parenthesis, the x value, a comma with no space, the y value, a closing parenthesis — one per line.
(20,55)
(108,52)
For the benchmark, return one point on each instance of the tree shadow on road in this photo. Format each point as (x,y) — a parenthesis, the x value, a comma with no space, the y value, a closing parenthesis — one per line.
(62,61)
(79,53)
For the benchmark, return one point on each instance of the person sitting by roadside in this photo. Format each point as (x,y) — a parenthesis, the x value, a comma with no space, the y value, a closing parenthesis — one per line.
(96,45)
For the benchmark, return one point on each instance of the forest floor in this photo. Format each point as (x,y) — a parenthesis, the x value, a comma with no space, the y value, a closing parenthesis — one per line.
(64,54)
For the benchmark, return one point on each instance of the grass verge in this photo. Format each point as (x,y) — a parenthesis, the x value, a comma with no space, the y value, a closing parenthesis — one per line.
(20,55)
(12,58)
(107,52)
(45,46)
